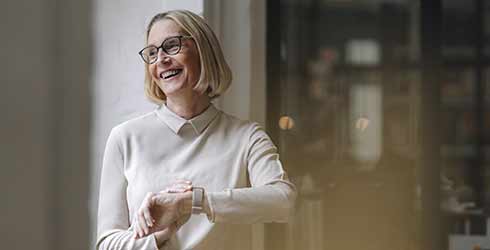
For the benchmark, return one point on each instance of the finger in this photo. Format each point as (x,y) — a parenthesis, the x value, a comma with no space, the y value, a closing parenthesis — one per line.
(184,181)
(141,221)
(149,220)
(172,190)
(135,234)
(184,186)
(178,190)
(146,210)
(136,229)
(144,216)
(147,201)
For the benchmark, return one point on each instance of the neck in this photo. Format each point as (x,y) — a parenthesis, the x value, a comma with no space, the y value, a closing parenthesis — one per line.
(188,107)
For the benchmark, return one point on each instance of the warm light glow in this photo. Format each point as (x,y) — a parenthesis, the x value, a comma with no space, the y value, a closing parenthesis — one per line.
(286,123)
(362,123)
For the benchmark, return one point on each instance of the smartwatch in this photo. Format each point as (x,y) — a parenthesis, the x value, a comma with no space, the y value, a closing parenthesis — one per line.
(197,200)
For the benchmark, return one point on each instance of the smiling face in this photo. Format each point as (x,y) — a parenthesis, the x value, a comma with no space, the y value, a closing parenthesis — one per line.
(174,74)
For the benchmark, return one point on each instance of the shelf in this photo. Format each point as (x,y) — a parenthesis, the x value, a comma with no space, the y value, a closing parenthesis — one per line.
(398,100)
(458,102)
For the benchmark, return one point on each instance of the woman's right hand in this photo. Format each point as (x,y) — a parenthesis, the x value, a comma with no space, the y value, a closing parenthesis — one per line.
(144,221)
(164,235)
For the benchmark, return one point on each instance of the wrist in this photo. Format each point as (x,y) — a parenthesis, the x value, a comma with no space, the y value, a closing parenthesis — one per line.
(186,203)
(205,206)
(160,239)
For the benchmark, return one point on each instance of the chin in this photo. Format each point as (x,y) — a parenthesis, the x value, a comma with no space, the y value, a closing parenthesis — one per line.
(170,88)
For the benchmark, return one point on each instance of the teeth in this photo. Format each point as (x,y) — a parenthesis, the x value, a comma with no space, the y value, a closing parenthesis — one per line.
(169,73)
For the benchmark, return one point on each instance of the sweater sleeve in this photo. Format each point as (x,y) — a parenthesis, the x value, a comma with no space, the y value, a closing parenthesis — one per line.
(270,198)
(113,226)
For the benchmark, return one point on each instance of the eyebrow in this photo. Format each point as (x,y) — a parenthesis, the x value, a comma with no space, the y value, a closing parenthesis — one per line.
(160,43)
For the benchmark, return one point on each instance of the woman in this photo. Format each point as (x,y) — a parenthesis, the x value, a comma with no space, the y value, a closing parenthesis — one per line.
(186,157)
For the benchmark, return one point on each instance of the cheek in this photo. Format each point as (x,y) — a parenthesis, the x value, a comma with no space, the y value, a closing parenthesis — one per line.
(195,68)
(193,62)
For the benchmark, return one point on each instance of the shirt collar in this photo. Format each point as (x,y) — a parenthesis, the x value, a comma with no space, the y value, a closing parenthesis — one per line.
(175,122)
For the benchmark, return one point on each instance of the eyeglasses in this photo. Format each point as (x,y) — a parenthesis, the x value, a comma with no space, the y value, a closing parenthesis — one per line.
(171,46)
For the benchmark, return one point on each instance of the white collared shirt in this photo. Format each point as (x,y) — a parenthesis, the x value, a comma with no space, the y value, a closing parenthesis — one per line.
(235,161)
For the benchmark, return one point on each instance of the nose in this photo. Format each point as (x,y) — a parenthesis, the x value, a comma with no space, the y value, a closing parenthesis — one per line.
(162,56)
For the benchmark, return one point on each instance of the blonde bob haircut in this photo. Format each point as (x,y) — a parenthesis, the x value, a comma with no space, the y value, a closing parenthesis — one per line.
(215,75)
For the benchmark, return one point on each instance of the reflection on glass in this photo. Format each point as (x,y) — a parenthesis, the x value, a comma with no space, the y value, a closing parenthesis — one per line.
(286,123)
(459,22)
(350,84)
(366,107)
(363,52)
(353,80)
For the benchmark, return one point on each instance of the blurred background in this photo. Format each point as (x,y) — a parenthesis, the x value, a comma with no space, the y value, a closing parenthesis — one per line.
(379,109)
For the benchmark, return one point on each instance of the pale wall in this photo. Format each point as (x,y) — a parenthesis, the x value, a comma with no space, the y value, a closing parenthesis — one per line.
(44,174)
(117,83)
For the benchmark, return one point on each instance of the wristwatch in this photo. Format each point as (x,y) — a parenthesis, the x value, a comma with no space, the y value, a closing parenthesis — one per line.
(197,200)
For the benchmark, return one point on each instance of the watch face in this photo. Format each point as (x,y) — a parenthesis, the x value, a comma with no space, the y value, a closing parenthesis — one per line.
(197,200)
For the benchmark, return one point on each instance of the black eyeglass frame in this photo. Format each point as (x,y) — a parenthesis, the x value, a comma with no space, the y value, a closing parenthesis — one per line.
(163,49)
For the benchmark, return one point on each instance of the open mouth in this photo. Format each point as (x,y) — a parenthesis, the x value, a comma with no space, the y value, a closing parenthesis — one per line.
(170,73)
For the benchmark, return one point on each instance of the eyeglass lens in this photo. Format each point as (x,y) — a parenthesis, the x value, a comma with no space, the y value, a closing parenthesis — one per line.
(170,46)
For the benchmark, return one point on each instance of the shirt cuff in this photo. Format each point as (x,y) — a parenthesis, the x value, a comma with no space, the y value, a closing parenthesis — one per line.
(213,199)
(209,202)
